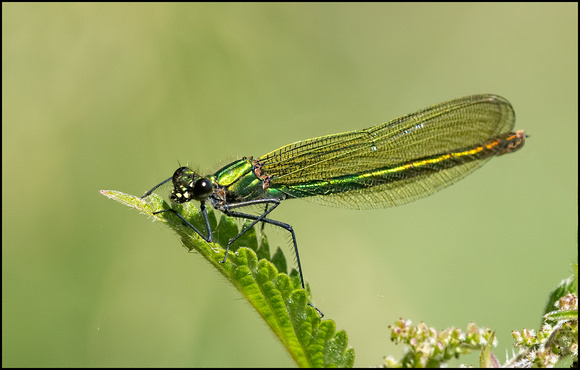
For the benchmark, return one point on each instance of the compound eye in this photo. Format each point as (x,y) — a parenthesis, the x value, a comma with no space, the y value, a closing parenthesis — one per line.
(202,189)
(183,177)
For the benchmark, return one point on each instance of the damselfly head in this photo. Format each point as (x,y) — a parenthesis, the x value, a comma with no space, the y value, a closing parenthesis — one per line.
(187,185)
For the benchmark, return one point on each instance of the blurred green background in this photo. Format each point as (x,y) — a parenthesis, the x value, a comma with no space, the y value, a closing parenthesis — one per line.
(103,96)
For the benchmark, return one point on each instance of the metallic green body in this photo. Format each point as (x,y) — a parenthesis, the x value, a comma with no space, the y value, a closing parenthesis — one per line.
(241,184)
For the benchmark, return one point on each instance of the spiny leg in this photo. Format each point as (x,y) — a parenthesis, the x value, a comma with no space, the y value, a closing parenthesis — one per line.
(265,220)
(262,217)
(155,187)
(263,223)
(209,237)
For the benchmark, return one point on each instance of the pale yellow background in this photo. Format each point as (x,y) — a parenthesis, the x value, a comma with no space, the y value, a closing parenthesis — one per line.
(103,96)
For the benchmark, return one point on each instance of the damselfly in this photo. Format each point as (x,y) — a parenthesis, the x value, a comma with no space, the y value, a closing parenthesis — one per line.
(382,166)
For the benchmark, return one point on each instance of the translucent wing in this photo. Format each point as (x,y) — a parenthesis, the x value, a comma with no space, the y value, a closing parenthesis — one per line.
(441,128)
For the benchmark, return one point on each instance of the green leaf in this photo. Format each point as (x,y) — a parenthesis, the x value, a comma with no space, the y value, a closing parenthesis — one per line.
(567,315)
(569,285)
(277,297)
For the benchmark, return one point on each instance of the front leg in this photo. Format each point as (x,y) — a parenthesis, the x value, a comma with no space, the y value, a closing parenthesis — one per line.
(209,237)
